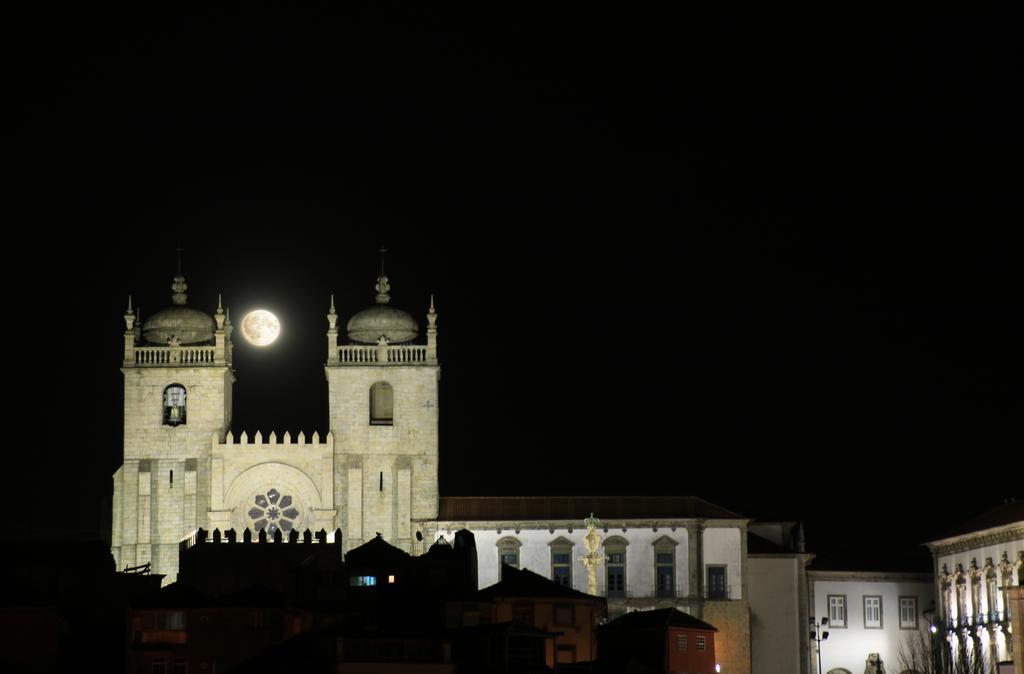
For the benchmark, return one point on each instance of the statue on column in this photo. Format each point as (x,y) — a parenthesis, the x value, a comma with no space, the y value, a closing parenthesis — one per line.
(592,559)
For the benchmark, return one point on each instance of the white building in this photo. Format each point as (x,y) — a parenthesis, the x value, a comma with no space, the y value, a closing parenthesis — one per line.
(871,615)
(975,567)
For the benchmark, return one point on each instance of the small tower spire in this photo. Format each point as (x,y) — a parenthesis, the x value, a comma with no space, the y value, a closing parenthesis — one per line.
(219,316)
(129,316)
(432,331)
(332,334)
(178,296)
(382,285)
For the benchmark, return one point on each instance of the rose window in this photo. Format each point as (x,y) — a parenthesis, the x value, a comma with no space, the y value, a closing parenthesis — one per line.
(272,511)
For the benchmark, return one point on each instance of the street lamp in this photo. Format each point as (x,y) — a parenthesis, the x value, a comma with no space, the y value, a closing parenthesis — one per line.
(818,635)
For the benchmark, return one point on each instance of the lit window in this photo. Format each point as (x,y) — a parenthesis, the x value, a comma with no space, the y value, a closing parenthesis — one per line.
(174,405)
(381,404)
(391,579)
(908,613)
(700,642)
(837,610)
(362,581)
(680,642)
(872,612)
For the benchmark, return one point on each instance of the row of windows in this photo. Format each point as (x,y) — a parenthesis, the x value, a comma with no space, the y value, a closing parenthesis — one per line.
(382,397)
(872,611)
(682,642)
(615,569)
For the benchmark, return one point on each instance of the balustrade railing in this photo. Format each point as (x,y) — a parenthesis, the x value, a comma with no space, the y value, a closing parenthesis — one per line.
(358,354)
(156,356)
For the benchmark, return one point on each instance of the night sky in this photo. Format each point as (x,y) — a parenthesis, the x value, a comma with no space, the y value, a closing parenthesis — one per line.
(768,260)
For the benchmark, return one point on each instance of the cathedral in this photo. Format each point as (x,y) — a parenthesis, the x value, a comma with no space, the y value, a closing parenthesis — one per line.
(376,470)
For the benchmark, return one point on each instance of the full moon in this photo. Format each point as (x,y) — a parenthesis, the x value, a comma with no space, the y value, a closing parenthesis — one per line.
(260,327)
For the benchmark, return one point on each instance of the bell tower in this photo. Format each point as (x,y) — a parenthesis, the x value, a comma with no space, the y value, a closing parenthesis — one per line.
(177,394)
(383,412)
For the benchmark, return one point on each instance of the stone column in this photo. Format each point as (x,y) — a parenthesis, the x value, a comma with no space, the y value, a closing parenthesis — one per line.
(1015,596)
(695,541)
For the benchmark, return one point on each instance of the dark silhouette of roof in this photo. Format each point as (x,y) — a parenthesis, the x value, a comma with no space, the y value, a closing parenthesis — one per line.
(468,508)
(1003,514)
(525,583)
(657,619)
(756,545)
(376,553)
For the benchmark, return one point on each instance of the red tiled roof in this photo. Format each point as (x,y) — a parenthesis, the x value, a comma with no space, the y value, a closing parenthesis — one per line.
(514,508)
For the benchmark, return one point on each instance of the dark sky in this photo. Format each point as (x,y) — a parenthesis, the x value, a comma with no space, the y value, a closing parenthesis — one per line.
(768,260)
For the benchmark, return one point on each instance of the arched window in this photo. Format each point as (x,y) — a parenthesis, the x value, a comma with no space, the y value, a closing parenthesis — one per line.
(382,406)
(615,565)
(174,405)
(508,554)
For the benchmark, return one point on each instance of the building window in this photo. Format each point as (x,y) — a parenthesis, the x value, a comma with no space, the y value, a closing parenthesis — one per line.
(272,511)
(837,610)
(179,666)
(666,574)
(159,666)
(362,581)
(717,589)
(680,642)
(522,613)
(700,642)
(565,614)
(561,561)
(174,405)
(508,554)
(872,612)
(382,398)
(616,567)
(171,620)
(908,613)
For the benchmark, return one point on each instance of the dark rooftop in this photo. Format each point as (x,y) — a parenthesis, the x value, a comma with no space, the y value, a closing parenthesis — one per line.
(525,583)
(657,619)
(1003,514)
(376,553)
(468,508)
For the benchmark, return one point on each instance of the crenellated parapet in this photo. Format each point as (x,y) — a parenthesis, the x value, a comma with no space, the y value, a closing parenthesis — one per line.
(257,440)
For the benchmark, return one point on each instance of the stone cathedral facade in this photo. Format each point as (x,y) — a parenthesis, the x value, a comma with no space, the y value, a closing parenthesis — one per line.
(376,470)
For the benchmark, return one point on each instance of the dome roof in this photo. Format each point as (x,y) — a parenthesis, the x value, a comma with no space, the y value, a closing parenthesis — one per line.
(382,320)
(187,325)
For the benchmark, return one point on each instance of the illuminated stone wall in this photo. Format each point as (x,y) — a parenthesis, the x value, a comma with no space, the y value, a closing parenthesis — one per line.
(385,476)
(732,641)
(153,509)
